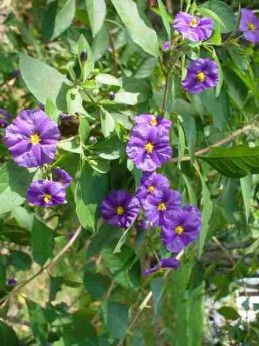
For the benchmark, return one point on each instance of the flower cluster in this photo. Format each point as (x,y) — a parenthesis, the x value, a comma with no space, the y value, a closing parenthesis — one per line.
(249,24)
(32,140)
(149,147)
(202,74)
(4,116)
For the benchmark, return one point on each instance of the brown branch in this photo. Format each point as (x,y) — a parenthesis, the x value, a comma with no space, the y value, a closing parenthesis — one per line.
(231,137)
(114,59)
(47,266)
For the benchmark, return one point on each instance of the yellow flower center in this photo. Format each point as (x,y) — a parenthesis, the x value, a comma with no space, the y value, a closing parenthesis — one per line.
(47,198)
(139,223)
(194,23)
(179,230)
(2,116)
(161,207)
(251,27)
(149,147)
(200,76)
(2,124)
(153,121)
(120,210)
(151,188)
(35,139)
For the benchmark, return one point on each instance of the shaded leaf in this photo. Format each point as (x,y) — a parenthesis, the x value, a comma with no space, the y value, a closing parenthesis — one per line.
(41,242)
(117,319)
(229,313)
(137,29)
(96,12)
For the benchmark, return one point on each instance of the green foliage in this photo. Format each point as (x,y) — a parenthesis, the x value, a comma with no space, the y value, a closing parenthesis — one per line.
(41,242)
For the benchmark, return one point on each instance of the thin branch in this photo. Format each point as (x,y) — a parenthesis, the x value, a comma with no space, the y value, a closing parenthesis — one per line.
(47,266)
(233,136)
(215,239)
(114,59)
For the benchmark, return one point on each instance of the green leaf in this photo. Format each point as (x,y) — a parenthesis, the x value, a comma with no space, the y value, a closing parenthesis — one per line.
(88,65)
(246,187)
(64,18)
(96,12)
(157,288)
(20,260)
(55,286)
(14,182)
(38,322)
(121,268)
(44,81)
(107,123)
(145,68)
(8,336)
(117,319)
(129,98)
(41,242)
(218,107)
(90,191)
(235,162)
(109,149)
(100,165)
(102,238)
(221,13)
(207,209)
(74,103)
(96,284)
(2,275)
(191,192)
(181,143)
(229,313)
(70,144)
(137,29)
(190,133)
(107,79)
(165,19)
(253,247)
(84,129)
(101,43)
(23,218)
(51,110)
(216,38)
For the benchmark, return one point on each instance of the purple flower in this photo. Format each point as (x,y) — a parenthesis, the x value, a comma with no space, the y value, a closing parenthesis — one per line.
(150,183)
(166,46)
(202,74)
(46,193)
(249,24)
(3,123)
(193,28)
(4,116)
(151,120)
(32,138)
(148,147)
(181,227)
(171,262)
(16,73)
(120,209)
(158,206)
(142,225)
(41,106)
(11,282)
(61,176)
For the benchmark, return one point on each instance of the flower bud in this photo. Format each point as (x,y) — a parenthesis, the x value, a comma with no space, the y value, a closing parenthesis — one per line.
(111,96)
(83,55)
(92,140)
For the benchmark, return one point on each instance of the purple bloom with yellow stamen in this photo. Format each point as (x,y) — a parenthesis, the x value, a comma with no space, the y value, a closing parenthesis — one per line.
(150,183)
(120,208)
(249,24)
(193,28)
(46,193)
(61,176)
(152,120)
(148,147)
(202,74)
(32,138)
(181,227)
(158,206)
(171,262)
